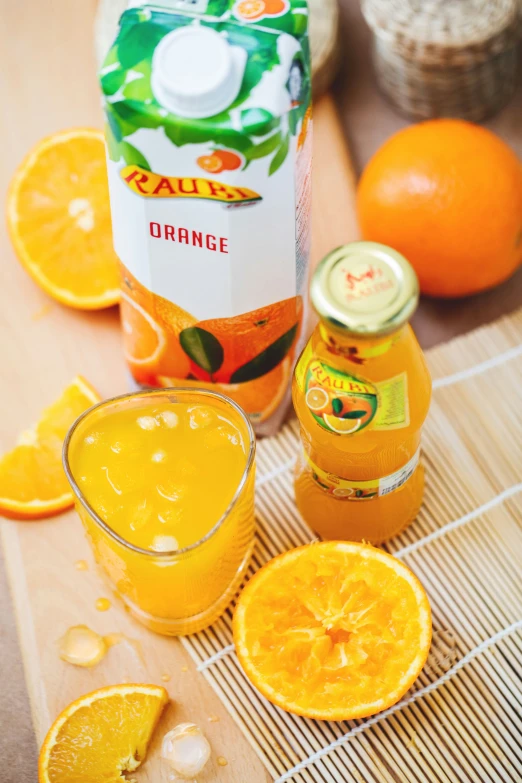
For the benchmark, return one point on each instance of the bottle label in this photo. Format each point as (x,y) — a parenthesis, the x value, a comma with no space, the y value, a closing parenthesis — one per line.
(346,404)
(346,489)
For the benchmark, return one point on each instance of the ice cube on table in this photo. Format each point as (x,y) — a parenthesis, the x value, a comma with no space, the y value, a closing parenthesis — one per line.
(186,749)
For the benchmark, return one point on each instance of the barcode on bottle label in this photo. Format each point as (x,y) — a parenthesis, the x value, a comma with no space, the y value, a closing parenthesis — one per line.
(400,477)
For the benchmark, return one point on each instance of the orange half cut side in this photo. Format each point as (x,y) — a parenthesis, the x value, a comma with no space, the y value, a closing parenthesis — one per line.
(333,630)
(59,219)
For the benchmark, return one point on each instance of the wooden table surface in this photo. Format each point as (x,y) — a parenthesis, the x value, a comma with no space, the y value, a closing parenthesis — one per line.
(51,85)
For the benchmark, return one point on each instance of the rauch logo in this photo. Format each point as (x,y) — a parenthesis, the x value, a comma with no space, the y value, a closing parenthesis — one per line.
(150,185)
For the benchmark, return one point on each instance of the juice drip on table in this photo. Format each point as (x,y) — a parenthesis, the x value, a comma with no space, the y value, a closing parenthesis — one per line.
(361,392)
(82,646)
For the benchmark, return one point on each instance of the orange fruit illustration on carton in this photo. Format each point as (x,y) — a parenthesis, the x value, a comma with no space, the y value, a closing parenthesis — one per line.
(151,329)
(220,160)
(253,10)
(245,347)
(247,357)
(250,9)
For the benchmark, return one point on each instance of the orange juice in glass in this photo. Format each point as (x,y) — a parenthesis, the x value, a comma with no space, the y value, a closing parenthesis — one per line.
(164,485)
(361,391)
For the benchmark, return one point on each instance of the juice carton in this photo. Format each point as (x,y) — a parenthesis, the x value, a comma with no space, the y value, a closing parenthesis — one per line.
(209,155)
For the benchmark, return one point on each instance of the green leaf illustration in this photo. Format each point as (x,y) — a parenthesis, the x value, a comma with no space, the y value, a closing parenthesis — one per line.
(293,119)
(138,42)
(113,124)
(112,81)
(265,147)
(337,405)
(280,156)
(129,112)
(354,414)
(138,90)
(258,122)
(132,155)
(113,148)
(266,360)
(203,348)
(187,131)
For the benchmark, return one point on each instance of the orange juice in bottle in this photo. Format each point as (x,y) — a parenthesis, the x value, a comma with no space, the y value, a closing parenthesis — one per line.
(361,391)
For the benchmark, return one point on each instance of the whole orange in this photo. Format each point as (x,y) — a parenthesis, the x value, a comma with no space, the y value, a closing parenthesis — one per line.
(446,194)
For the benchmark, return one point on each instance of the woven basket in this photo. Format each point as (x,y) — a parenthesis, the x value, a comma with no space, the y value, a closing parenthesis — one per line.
(324,37)
(445,58)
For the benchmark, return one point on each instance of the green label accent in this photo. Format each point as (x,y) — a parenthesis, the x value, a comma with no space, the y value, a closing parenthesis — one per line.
(394,411)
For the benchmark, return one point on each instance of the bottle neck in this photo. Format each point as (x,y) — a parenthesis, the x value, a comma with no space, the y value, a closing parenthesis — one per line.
(359,350)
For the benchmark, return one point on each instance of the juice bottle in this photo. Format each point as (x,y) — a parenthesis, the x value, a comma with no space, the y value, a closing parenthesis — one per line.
(361,391)
(164,483)
(209,152)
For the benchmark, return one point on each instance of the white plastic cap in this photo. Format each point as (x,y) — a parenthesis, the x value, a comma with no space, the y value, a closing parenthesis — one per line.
(196,73)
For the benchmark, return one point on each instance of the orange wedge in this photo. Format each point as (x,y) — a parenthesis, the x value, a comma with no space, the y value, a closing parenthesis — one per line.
(102,735)
(32,480)
(333,631)
(59,219)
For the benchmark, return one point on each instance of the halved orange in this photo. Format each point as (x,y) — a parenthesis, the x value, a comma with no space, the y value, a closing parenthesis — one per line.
(59,219)
(102,735)
(333,630)
(32,481)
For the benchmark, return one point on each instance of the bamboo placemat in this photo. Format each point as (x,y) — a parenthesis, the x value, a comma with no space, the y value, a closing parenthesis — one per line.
(462,721)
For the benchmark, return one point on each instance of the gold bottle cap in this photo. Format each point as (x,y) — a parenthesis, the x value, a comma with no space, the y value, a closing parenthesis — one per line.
(364,288)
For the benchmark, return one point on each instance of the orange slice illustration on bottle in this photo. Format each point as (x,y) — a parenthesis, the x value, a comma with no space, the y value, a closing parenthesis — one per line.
(342,492)
(317,398)
(341,426)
